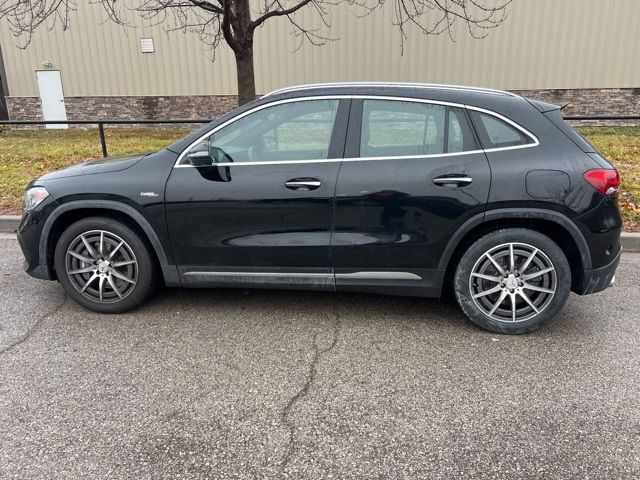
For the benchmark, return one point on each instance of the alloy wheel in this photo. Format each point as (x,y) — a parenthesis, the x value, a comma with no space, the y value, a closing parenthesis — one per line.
(101,266)
(513,282)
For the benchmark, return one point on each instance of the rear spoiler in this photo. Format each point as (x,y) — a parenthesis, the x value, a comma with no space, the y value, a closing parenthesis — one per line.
(554,113)
(544,107)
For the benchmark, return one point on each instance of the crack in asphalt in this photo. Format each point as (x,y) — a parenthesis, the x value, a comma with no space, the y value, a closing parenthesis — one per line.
(35,326)
(302,393)
(189,404)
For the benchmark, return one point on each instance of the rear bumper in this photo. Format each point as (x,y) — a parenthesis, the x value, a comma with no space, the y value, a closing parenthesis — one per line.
(597,280)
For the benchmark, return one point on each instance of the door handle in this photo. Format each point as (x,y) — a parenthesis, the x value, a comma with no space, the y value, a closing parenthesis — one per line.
(303,184)
(453,181)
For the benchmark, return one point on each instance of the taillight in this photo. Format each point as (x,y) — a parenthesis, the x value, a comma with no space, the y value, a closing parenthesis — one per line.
(606,181)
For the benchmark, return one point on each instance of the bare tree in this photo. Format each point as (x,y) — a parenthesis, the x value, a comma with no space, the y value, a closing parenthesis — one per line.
(235,21)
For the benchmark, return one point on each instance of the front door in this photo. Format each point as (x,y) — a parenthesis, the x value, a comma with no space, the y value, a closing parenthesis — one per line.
(413,173)
(51,97)
(251,203)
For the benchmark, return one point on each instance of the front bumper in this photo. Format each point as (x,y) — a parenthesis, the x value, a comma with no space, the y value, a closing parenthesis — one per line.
(29,232)
(599,279)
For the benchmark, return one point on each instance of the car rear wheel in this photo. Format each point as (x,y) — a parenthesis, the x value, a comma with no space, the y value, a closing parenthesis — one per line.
(104,265)
(512,281)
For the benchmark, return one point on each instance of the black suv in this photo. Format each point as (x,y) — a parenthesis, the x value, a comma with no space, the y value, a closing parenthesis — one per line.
(388,188)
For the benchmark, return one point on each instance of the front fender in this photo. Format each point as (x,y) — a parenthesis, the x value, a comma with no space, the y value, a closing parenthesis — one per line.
(169,271)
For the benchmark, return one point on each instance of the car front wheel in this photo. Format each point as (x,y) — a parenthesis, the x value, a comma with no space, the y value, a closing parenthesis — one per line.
(104,265)
(512,281)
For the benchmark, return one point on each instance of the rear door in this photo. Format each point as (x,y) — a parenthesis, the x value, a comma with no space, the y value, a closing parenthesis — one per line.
(251,203)
(413,173)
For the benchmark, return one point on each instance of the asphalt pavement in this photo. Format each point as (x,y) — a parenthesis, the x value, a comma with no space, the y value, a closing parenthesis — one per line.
(277,384)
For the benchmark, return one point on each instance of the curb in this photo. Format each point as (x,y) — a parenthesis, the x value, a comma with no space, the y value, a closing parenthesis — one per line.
(630,241)
(9,223)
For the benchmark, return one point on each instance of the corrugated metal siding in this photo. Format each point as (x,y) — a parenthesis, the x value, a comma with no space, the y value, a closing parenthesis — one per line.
(542,44)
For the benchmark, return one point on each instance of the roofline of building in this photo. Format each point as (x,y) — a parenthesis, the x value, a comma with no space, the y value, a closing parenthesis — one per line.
(426,86)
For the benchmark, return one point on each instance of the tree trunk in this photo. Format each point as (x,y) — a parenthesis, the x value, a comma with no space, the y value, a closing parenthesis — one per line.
(246,77)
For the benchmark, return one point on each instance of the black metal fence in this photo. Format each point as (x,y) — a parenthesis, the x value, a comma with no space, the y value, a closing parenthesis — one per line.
(626,118)
(102,123)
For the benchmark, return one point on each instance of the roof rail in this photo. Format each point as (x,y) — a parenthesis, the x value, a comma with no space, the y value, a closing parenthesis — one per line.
(428,86)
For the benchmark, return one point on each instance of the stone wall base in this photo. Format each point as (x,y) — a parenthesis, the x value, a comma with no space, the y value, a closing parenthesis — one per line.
(129,108)
(589,101)
(592,101)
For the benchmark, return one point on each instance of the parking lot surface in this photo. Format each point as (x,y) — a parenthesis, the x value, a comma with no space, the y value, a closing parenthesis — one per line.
(277,384)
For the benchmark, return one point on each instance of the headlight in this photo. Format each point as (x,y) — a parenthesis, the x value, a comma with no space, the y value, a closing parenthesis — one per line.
(34,197)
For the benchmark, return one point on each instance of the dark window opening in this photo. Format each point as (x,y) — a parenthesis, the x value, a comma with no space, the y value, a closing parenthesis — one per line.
(399,128)
(496,133)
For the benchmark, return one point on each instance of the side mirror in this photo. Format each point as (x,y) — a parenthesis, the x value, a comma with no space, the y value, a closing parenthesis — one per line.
(199,159)
(218,155)
(215,173)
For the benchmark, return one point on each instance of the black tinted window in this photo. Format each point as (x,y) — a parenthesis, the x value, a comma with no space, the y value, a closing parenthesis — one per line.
(290,131)
(460,138)
(496,133)
(399,128)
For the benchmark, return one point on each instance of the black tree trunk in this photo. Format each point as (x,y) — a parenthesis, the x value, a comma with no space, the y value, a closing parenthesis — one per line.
(246,78)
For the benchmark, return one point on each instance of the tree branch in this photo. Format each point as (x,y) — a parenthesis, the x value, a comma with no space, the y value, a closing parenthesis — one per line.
(208,6)
(214,20)
(279,13)
(226,26)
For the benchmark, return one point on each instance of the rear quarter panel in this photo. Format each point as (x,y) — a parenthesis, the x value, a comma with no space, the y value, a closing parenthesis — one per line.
(597,217)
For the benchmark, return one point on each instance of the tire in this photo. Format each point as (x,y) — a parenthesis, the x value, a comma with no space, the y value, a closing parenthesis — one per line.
(486,293)
(115,280)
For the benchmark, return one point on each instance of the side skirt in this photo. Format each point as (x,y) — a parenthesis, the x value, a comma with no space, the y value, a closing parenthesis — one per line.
(420,283)
(414,283)
(207,277)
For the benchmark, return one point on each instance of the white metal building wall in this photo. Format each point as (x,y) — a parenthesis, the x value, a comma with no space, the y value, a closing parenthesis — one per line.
(542,44)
